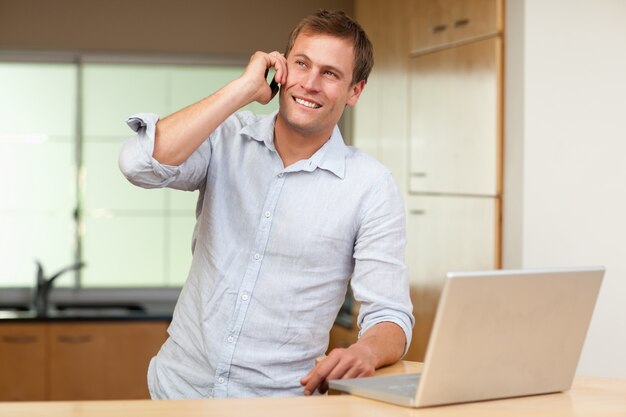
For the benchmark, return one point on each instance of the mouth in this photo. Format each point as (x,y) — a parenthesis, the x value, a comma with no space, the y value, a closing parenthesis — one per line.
(306,103)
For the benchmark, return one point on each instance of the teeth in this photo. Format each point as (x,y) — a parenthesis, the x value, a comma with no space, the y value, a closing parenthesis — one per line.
(307,103)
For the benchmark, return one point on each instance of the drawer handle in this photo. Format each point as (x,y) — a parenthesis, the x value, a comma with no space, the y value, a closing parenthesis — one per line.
(19,339)
(75,339)
(461,22)
(438,28)
(417,212)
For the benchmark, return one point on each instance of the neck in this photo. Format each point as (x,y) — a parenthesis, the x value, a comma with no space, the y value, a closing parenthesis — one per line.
(293,145)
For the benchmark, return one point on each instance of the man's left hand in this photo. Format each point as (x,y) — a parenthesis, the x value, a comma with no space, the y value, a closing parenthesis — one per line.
(352,362)
(381,345)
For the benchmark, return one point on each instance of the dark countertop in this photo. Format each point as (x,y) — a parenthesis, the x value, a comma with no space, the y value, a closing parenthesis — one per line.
(91,304)
(29,316)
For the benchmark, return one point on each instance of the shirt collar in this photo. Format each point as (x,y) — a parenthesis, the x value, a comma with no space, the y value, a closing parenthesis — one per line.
(330,157)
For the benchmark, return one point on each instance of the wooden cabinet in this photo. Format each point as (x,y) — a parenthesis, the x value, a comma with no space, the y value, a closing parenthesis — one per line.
(76,361)
(438,126)
(455,158)
(380,116)
(22,362)
(447,233)
(455,114)
(112,357)
(83,360)
(437,23)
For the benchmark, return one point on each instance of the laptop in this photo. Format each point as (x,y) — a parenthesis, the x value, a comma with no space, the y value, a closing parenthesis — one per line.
(496,334)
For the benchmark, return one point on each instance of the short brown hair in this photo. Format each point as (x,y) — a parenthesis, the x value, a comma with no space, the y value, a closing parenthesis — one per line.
(340,25)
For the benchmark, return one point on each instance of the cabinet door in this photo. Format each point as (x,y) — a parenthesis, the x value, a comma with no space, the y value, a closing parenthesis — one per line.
(436,23)
(130,346)
(22,362)
(445,234)
(455,120)
(380,117)
(77,362)
(102,360)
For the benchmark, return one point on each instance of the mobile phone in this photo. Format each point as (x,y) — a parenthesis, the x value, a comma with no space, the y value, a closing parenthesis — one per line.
(274,87)
(273,84)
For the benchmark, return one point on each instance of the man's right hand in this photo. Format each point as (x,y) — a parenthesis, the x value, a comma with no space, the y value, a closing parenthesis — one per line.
(256,72)
(180,134)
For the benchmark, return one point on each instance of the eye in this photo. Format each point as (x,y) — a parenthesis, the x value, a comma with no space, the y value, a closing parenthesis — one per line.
(300,63)
(330,74)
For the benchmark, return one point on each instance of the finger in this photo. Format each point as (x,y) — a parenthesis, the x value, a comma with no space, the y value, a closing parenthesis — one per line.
(280,65)
(353,372)
(318,374)
(338,371)
(312,383)
(341,366)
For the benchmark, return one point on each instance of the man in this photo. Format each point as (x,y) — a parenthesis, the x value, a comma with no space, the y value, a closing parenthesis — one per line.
(287,217)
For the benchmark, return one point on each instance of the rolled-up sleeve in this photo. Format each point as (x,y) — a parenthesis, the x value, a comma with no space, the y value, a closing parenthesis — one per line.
(380,279)
(140,168)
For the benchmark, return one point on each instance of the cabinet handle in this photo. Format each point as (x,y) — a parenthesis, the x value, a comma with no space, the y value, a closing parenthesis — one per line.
(461,22)
(75,339)
(19,339)
(418,174)
(417,212)
(438,28)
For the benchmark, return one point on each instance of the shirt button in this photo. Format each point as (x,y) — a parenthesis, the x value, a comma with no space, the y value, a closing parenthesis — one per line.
(230,339)
(244,297)
(268,214)
(257,256)
(220,380)
(280,175)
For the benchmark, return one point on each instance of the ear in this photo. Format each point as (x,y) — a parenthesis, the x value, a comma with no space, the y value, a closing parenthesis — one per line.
(355,92)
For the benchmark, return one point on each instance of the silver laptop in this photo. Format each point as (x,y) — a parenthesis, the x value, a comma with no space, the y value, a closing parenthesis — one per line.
(497,334)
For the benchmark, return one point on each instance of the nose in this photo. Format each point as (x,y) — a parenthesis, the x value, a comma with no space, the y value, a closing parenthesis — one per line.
(311,81)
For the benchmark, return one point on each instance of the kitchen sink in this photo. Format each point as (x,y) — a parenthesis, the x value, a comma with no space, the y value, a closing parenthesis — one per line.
(85,312)
(96,310)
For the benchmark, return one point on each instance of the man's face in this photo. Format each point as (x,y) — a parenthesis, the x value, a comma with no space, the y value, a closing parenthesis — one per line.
(319,83)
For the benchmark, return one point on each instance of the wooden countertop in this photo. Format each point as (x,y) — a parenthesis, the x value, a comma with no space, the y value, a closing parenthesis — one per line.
(589,397)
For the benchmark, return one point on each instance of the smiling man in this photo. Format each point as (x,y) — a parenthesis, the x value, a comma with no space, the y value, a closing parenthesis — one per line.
(288,216)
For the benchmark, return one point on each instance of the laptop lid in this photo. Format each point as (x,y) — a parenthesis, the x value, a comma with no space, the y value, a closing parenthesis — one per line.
(507,333)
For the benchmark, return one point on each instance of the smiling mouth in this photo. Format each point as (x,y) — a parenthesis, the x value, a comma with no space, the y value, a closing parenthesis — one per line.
(308,104)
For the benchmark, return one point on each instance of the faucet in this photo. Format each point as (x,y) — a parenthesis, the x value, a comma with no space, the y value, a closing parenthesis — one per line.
(41,294)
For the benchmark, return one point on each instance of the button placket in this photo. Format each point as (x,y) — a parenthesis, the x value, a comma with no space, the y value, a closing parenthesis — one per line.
(224,364)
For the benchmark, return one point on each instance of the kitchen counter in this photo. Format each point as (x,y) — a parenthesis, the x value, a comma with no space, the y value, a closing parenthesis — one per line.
(589,396)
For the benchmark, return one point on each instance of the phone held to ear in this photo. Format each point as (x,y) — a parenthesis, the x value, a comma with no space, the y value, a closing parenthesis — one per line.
(273,84)
(274,87)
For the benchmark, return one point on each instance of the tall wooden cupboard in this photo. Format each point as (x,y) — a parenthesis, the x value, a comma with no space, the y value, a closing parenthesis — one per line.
(432,112)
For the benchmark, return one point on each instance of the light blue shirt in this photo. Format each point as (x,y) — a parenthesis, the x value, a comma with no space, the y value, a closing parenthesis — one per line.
(274,250)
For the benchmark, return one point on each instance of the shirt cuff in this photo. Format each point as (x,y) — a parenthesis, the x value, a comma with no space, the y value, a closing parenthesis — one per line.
(144,124)
(406,327)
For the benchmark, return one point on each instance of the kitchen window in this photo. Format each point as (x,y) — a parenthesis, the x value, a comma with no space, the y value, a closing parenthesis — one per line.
(63,199)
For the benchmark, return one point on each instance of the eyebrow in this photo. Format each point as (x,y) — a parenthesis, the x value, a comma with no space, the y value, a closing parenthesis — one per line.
(324,67)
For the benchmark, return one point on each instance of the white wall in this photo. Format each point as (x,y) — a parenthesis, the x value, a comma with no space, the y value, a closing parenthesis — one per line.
(565,169)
